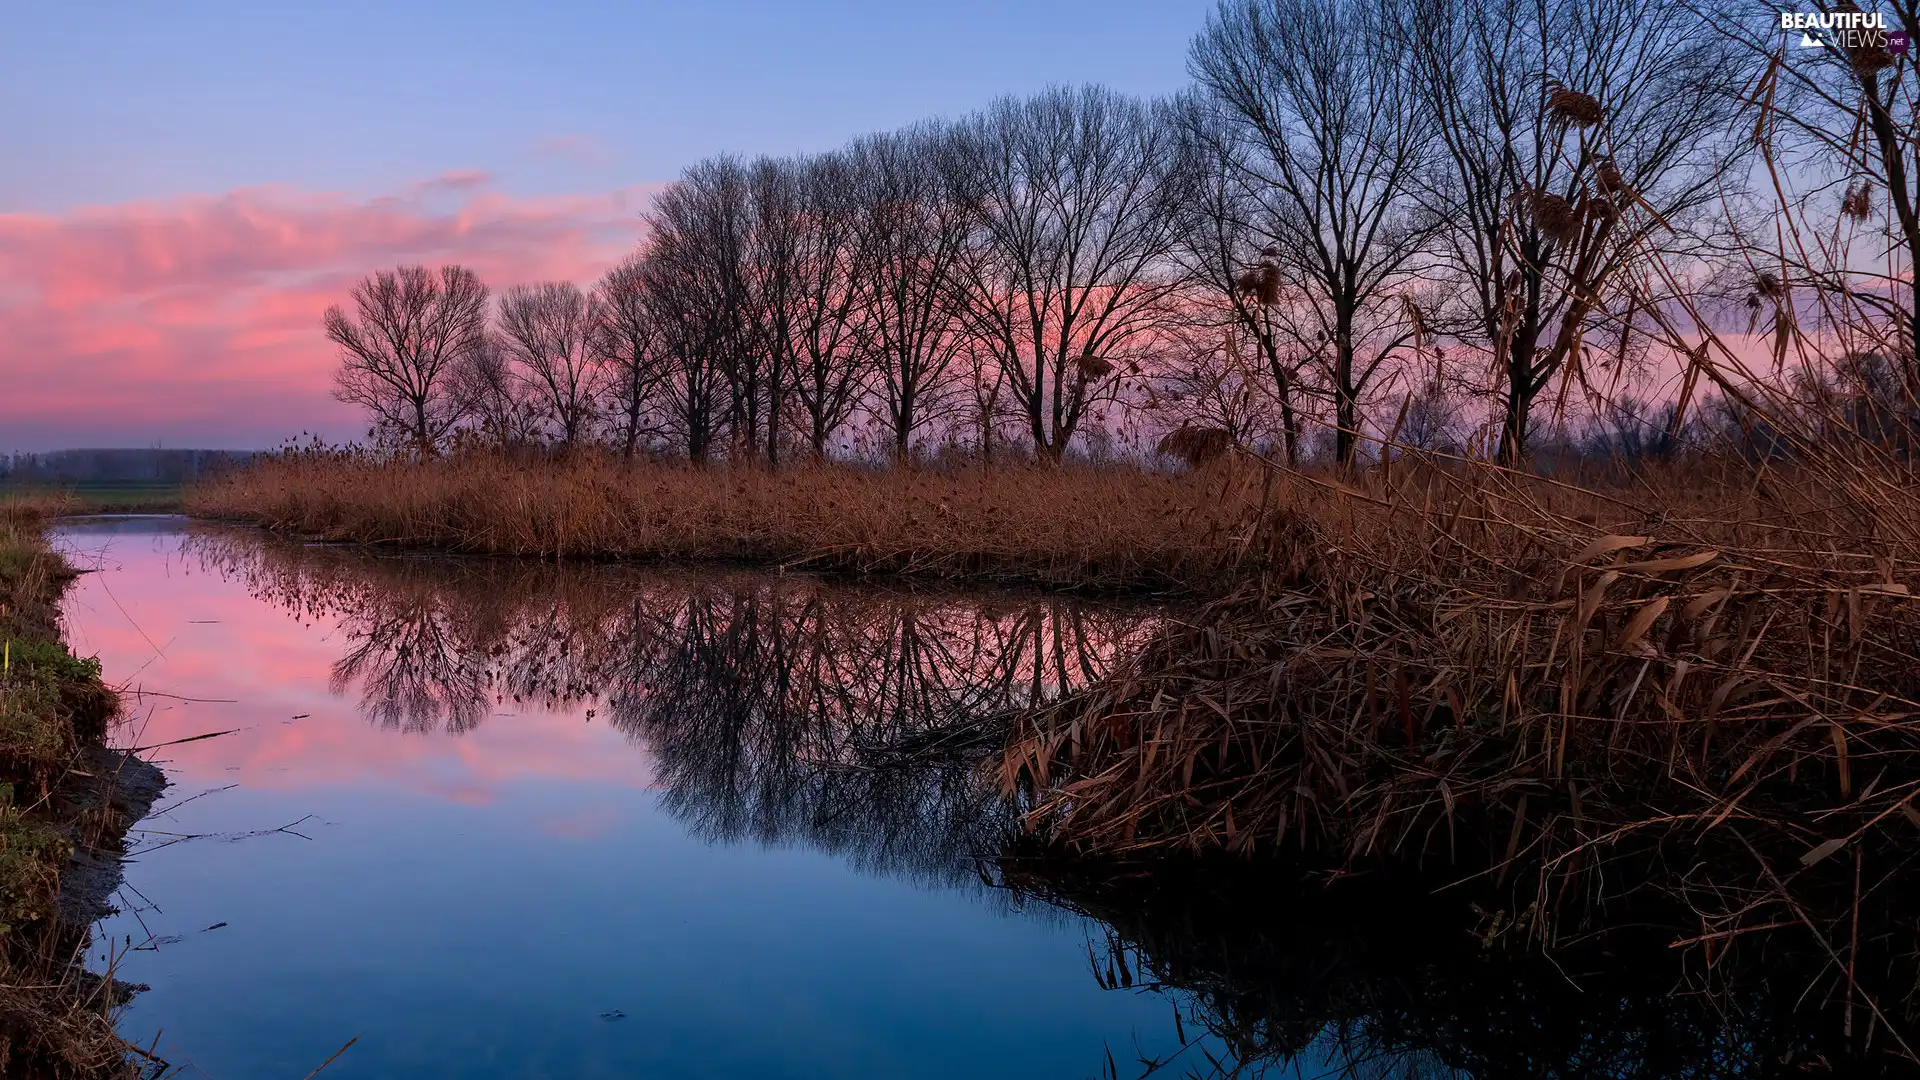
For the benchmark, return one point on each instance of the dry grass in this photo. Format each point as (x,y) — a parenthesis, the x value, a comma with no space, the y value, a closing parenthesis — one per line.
(1705,686)
(1109,529)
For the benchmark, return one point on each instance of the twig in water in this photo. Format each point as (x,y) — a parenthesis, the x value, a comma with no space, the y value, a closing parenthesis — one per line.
(136,692)
(175,806)
(188,739)
(330,1060)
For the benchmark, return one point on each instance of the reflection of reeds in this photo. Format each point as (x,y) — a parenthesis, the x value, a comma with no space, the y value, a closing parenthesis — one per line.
(1271,968)
(1090,527)
(1565,689)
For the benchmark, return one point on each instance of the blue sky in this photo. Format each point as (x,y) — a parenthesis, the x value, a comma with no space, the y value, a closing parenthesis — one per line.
(111,102)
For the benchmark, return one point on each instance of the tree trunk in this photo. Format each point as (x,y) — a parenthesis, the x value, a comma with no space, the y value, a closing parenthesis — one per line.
(1516,425)
(1283,386)
(903,428)
(1346,396)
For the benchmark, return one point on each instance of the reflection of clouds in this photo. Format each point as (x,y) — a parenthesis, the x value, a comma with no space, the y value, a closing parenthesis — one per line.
(768,703)
(221,643)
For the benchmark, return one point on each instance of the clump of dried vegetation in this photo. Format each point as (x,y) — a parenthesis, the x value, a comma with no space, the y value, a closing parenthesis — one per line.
(1702,685)
(1094,528)
(55,1019)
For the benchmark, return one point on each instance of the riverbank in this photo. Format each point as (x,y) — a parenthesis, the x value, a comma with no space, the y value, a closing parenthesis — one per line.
(1111,529)
(65,805)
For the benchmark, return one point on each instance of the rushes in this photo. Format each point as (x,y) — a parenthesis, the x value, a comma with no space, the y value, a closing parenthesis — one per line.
(1096,528)
(1707,691)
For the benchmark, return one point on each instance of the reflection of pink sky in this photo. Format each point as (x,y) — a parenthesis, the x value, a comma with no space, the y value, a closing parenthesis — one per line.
(216,642)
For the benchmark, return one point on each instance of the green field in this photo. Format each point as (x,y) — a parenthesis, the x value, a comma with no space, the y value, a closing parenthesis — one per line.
(105,498)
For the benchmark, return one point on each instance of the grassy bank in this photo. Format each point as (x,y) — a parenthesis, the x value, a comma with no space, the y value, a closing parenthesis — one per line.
(56,796)
(1098,528)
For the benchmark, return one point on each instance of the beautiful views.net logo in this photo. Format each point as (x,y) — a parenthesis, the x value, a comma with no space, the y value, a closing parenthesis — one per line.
(1850,30)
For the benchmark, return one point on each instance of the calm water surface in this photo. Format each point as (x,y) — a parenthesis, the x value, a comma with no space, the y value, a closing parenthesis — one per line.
(501,820)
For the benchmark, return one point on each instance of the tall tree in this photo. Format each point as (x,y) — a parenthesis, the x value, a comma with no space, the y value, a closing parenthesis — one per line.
(778,227)
(913,230)
(1236,283)
(547,330)
(827,370)
(1314,100)
(1575,132)
(1067,275)
(697,270)
(410,331)
(627,339)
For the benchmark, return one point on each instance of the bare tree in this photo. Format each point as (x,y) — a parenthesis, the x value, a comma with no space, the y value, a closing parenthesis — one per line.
(628,341)
(410,331)
(1314,100)
(827,369)
(1575,132)
(1234,283)
(547,331)
(699,264)
(913,231)
(1066,279)
(494,400)
(694,332)
(775,241)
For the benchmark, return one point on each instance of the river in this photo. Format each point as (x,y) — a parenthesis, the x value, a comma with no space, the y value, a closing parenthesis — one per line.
(501,819)
(509,819)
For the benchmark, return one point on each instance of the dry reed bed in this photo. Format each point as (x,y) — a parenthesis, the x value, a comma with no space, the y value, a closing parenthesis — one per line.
(1570,692)
(1098,528)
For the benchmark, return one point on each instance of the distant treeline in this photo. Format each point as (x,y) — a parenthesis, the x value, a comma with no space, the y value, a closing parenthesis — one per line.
(132,465)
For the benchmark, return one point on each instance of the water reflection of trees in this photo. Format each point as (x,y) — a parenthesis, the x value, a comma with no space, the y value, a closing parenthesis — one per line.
(775,707)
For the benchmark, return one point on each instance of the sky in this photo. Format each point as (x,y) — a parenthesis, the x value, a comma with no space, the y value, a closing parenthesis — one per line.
(185,187)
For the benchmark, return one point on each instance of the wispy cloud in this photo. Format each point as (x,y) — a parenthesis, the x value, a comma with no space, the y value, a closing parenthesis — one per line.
(198,319)
(454,180)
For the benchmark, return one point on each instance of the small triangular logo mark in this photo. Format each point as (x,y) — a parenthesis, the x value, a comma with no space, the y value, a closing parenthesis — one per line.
(1808,41)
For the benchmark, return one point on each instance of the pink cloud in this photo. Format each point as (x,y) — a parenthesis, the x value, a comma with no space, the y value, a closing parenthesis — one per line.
(197,319)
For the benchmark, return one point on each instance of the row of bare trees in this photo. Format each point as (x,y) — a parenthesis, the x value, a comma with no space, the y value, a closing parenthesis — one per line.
(428,354)
(1365,219)
(970,277)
